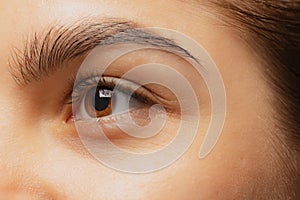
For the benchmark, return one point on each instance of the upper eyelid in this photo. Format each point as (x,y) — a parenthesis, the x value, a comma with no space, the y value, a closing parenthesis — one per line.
(111,82)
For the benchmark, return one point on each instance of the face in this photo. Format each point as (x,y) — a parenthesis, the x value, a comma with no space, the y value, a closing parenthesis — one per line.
(42,155)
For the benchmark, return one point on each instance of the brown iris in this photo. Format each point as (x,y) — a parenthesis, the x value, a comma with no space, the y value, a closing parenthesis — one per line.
(98,103)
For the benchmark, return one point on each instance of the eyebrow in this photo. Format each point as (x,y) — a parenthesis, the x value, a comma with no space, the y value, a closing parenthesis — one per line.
(45,53)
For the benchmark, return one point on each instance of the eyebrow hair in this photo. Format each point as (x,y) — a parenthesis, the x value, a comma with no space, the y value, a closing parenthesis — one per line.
(45,53)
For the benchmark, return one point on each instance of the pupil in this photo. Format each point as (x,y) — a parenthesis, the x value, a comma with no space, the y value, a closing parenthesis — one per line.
(102,101)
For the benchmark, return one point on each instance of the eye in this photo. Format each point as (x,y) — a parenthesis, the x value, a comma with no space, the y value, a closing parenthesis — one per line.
(99,97)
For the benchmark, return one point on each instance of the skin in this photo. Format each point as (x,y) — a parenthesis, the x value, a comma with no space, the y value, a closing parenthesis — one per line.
(42,158)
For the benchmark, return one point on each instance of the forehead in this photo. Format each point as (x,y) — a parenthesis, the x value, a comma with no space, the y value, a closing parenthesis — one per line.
(19,18)
(35,12)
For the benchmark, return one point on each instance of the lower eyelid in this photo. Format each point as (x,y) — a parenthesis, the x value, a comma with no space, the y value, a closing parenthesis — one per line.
(117,135)
(140,113)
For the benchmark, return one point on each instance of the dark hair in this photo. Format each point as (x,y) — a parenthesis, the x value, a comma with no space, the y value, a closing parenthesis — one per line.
(272,28)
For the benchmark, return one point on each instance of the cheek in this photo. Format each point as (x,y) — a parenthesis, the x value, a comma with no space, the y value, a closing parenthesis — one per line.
(231,167)
(237,168)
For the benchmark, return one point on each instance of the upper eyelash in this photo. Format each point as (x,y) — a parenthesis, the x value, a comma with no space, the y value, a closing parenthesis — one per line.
(95,81)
